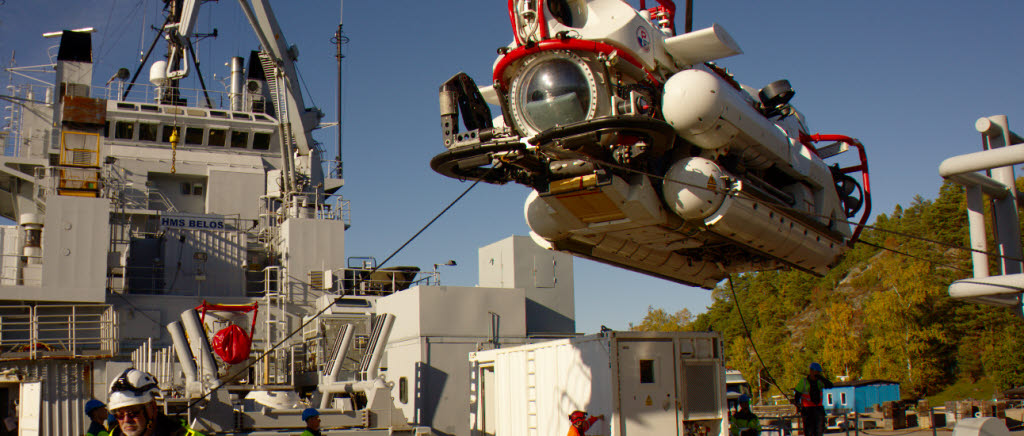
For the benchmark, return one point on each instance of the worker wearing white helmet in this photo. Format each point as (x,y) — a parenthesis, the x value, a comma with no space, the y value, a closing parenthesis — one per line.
(132,400)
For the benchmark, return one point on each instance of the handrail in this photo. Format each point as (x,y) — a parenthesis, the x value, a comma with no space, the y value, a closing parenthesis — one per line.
(57,331)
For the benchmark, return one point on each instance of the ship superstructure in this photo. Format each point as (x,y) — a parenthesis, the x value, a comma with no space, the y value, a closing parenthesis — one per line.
(160,228)
(136,203)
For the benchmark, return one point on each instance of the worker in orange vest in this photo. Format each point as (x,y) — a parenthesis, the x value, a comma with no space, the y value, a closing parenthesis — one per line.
(808,400)
(581,422)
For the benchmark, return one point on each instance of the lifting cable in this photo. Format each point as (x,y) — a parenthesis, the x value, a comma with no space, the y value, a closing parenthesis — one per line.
(770,379)
(328,307)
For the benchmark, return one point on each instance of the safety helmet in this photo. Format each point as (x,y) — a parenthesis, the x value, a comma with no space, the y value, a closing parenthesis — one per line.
(93,405)
(577,415)
(309,413)
(131,388)
(815,367)
(744,398)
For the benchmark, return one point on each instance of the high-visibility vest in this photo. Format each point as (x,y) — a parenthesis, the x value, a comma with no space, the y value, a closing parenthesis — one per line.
(804,388)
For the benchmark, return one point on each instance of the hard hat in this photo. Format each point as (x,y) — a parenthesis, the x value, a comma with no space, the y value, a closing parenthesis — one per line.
(131,388)
(309,413)
(93,405)
(744,398)
(577,415)
(815,367)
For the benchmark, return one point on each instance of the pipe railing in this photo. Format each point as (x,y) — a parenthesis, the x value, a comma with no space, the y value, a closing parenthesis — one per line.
(1002,148)
(35,332)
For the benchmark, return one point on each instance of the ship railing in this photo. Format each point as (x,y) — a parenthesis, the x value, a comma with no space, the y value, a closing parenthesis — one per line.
(159,362)
(52,180)
(384,281)
(123,192)
(272,211)
(150,94)
(57,331)
(12,118)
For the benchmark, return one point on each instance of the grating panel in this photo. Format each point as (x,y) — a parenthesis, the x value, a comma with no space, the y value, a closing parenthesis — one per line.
(701,379)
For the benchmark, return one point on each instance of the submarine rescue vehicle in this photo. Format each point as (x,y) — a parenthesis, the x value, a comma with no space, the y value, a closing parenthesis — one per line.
(644,154)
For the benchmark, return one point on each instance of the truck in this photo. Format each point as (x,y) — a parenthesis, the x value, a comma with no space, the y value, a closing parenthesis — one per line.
(664,383)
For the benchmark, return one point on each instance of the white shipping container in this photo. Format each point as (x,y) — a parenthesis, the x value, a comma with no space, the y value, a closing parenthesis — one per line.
(644,383)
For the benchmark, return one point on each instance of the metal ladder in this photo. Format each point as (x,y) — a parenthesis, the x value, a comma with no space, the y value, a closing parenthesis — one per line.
(276,323)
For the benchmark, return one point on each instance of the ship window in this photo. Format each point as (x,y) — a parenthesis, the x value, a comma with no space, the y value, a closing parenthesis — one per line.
(174,111)
(186,188)
(403,390)
(128,106)
(194,136)
(196,112)
(353,302)
(218,137)
(106,129)
(646,371)
(828,399)
(260,117)
(124,130)
(240,116)
(147,131)
(219,114)
(150,107)
(239,139)
(261,141)
(197,189)
(842,398)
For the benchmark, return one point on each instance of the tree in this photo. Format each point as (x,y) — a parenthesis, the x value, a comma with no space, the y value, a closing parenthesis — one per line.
(841,343)
(658,320)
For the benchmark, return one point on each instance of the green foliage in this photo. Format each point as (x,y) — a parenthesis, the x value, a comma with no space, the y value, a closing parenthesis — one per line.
(879,313)
(657,320)
(983,389)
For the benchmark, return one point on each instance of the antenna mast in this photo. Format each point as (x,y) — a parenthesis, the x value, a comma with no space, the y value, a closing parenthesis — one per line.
(339,40)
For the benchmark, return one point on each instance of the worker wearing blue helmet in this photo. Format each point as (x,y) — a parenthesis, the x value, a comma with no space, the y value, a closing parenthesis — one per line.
(808,400)
(312,418)
(97,413)
(744,422)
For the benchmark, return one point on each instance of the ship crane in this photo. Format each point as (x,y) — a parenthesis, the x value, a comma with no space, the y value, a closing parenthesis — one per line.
(297,121)
(644,154)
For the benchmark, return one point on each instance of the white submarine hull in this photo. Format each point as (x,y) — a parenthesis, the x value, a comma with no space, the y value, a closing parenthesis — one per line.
(675,232)
(643,154)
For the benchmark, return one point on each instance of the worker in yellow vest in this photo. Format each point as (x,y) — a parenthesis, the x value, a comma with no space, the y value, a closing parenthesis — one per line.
(744,422)
(808,400)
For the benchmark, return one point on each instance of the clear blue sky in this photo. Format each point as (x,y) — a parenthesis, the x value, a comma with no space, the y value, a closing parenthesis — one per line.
(908,78)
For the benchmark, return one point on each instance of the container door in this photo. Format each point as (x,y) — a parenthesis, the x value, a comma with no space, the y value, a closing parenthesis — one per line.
(647,380)
(29,404)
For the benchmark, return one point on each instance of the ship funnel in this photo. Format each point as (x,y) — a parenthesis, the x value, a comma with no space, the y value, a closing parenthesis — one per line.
(237,81)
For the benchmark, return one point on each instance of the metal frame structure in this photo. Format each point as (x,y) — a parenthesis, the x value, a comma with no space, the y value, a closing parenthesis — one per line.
(1002,148)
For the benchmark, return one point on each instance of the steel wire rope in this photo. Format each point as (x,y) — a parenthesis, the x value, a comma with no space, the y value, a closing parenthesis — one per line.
(137,309)
(327,307)
(123,30)
(736,301)
(882,247)
(113,6)
(306,87)
(750,197)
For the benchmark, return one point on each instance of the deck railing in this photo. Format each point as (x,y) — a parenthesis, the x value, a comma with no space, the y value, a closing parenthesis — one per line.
(57,331)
